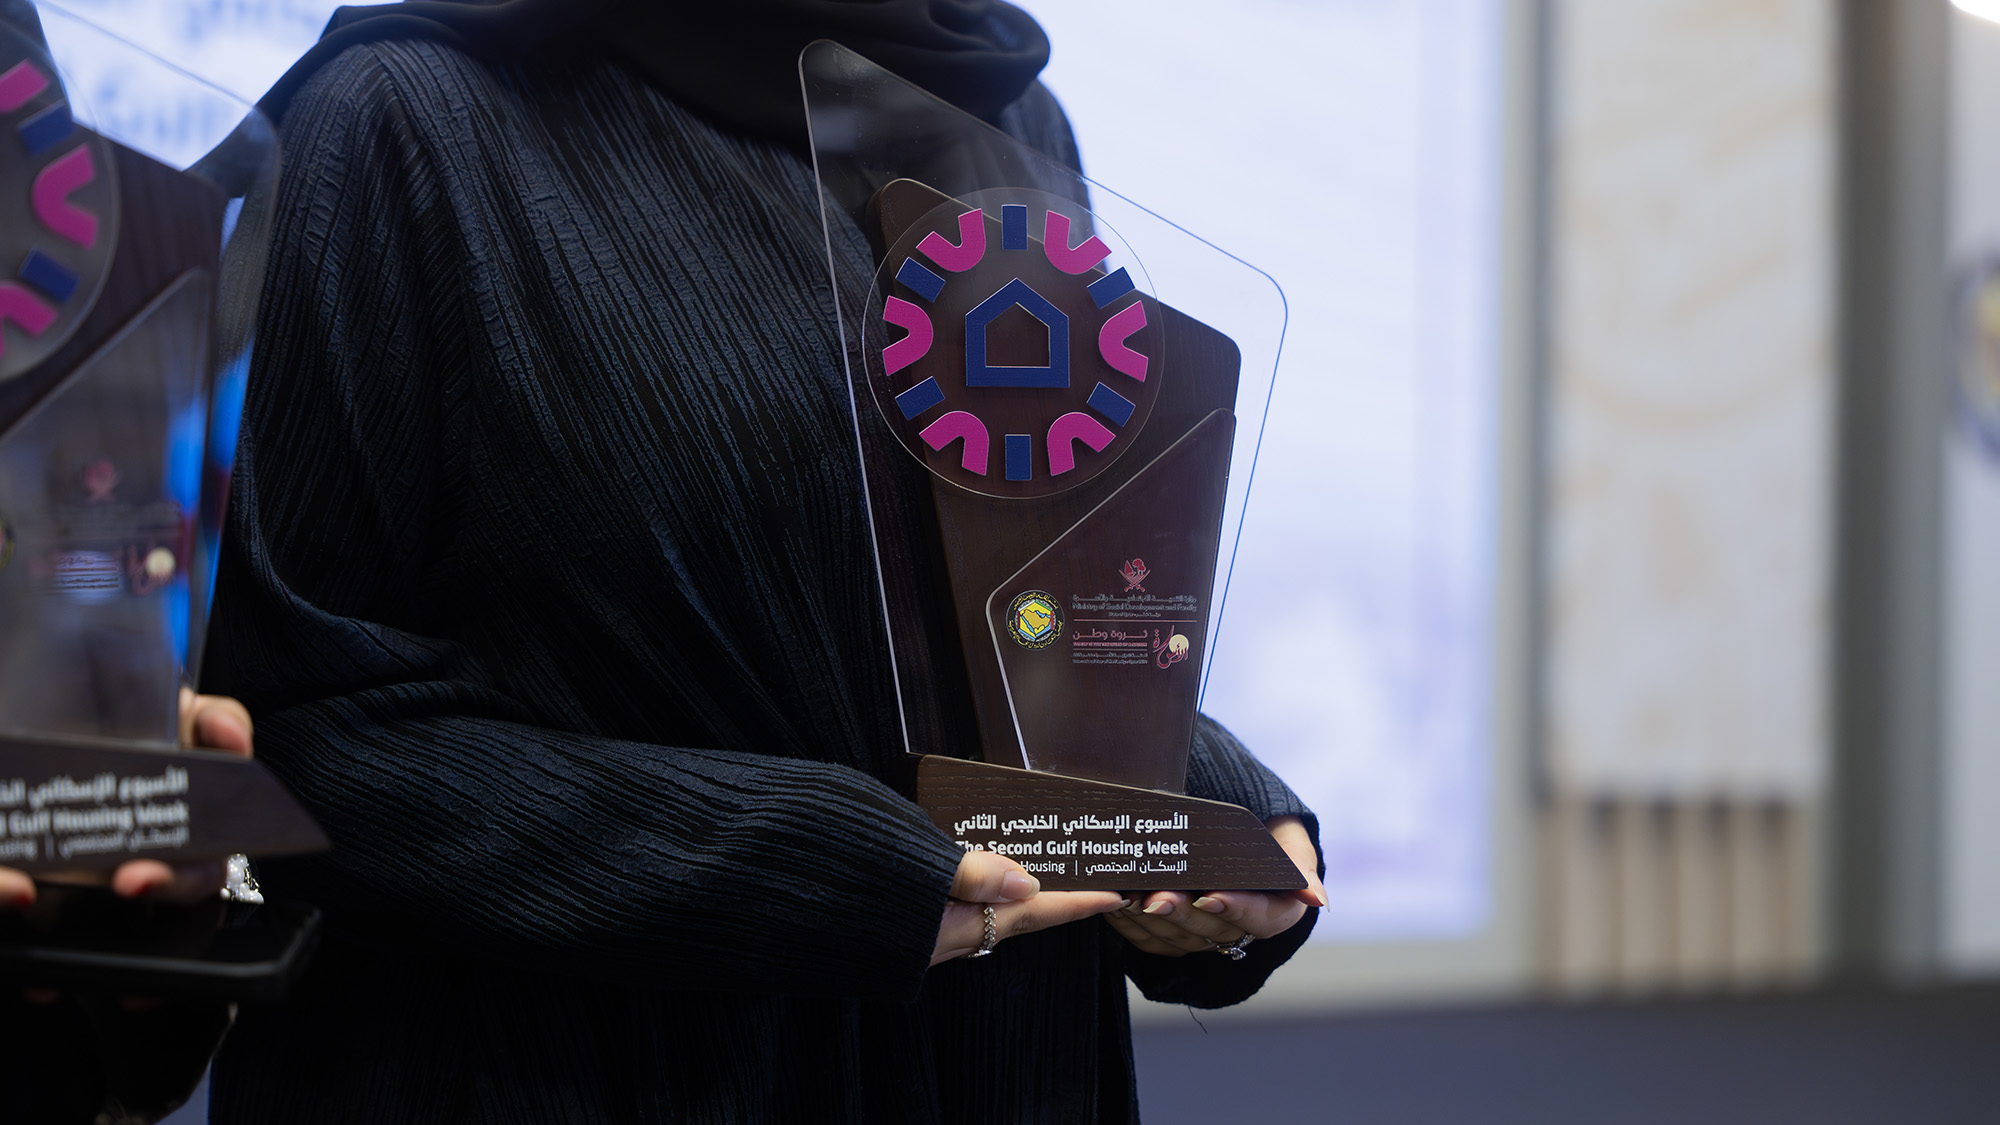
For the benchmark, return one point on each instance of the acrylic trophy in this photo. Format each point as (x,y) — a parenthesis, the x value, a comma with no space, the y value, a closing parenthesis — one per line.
(125,335)
(1047,422)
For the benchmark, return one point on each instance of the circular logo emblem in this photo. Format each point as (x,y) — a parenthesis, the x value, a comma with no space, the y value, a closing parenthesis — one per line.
(58,210)
(1010,343)
(1035,619)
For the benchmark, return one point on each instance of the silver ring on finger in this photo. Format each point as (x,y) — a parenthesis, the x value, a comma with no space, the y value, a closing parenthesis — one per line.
(1234,950)
(991,937)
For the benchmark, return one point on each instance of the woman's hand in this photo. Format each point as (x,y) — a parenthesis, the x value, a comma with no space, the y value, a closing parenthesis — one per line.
(1169,924)
(1019,904)
(213,722)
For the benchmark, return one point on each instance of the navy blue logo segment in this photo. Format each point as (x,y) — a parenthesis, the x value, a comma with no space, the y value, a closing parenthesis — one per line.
(46,129)
(926,284)
(1016,292)
(1020,456)
(920,398)
(1014,226)
(1110,287)
(1111,404)
(49,276)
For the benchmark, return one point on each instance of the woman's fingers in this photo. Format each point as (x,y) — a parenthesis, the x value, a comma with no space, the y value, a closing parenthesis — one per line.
(1142,938)
(1252,912)
(17,891)
(960,933)
(964,925)
(1170,918)
(141,877)
(1291,834)
(1054,908)
(182,883)
(981,878)
(990,877)
(1172,924)
(215,722)
(194,882)
(188,707)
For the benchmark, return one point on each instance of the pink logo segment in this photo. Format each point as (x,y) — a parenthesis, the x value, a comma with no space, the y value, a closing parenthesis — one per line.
(25,309)
(1073,427)
(20,84)
(971,243)
(960,424)
(1063,256)
(912,347)
(53,186)
(1111,340)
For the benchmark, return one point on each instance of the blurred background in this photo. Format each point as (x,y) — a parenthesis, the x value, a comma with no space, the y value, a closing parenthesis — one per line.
(1616,582)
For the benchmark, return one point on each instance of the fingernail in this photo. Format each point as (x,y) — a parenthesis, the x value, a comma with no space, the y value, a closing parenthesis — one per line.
(23,900)
(1212,905)
(1160,907)
(1124,904)
(1017,885)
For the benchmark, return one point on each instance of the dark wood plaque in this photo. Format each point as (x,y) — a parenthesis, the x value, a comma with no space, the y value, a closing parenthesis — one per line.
(1131,583)
(1073,834)
(89,805)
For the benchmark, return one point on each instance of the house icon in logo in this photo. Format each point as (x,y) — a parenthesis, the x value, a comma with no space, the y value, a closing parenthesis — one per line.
(978,373)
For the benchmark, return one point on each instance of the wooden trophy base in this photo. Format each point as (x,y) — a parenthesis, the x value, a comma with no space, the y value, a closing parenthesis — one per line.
(1076,834)
(88,805)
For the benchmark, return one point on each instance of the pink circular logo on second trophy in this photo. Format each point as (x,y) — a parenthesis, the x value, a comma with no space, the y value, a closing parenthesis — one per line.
(58,210)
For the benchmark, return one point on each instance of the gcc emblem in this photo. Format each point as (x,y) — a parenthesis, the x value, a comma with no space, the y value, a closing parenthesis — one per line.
(1034,619)
(1009,360)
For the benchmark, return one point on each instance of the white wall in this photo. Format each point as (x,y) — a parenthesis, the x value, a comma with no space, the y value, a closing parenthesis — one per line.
(1971,617)
(1691,395)
(1350,150)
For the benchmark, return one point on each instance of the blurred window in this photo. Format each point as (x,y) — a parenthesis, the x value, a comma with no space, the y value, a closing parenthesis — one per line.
(1351,150)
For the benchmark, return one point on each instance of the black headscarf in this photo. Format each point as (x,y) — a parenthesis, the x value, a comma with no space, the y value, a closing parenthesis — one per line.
(733,60)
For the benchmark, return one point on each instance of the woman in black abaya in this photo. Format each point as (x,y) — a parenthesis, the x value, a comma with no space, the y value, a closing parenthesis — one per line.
(546,488)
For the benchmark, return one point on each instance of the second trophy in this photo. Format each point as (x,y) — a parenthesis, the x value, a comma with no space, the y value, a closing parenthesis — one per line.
(1048,449)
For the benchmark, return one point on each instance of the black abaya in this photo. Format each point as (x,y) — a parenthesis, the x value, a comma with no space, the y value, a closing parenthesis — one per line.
(548,583)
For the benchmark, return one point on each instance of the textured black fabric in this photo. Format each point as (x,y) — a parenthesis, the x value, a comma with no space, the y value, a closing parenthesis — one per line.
(734,60)
(500,30)
(548,584)
(89,1059)
(738,60)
